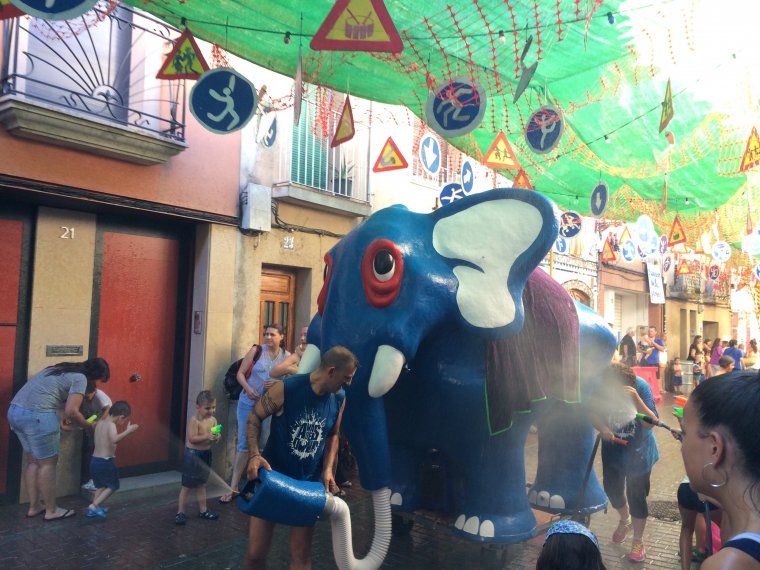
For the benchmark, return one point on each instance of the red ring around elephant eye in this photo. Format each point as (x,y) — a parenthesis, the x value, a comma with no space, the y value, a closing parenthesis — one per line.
(325,284)
(382,270)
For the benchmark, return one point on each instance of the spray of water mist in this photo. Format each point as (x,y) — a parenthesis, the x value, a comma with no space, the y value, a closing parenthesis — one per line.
(611,399)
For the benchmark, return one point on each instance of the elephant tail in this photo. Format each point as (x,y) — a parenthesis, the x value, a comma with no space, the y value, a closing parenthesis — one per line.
(541,361)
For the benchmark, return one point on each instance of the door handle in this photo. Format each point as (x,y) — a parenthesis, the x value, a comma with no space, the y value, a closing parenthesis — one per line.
(135,377)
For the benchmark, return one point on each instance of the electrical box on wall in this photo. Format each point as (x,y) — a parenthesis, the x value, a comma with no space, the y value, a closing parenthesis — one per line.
(256,208)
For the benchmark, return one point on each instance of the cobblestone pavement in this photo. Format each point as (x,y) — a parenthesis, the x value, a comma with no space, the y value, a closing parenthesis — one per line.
(141,534)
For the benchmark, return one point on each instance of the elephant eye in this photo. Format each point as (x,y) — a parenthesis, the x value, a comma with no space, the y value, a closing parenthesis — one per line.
(383,265)
(382,269)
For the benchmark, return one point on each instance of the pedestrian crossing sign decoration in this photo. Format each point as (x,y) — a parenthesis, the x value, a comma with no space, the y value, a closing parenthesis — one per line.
(185,60)
(501,155)
(667,109)
(522,181)
(390,158)
(608,252)
(751,157)
(345,130)
(676,235)
(358,25)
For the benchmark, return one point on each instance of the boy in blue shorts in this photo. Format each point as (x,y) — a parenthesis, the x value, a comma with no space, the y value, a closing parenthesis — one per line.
(196,465)
(103,469)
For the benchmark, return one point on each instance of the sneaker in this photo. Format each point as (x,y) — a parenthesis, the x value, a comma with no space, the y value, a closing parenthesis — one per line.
(208,515)
(97,512)
(180,519)
(621,531)
(637,553)
(89,486)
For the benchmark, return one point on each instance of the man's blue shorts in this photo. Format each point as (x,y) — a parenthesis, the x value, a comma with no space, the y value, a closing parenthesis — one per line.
(104,473)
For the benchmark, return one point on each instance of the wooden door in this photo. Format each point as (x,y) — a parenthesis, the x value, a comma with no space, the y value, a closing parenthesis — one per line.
(15,230)
(278,289)
(138,329)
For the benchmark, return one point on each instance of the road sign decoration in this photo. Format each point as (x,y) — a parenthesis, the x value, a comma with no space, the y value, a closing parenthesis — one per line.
(390,158)
(7,10)
(223,101)
(560,244)
(599,199)
(570,224)
(683,268)
(666,264)
(185,60)
(667,108)
(721,251)
(54,9)
(713,272)
(267,132)
(345,130)
(756,271)
(358,25)
(456,107)
(628,250)
(544,129)
(468,175)
(430,154)
(663,244)
(677,235)
(751,156)
(522,181)
(451,192)
(500,154)
(608,252)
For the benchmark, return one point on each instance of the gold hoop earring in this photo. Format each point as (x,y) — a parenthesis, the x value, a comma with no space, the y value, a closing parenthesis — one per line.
(714,485)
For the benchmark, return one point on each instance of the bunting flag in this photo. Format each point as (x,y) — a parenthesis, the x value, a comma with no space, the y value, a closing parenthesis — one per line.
(667,109)
(185,61)
(345,129)
(298,93)
(677,235)
(608,252)
(522,180)
(751,157)
(8,11)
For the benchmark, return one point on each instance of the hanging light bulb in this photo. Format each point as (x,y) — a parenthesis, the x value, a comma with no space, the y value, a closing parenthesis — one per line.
(576,200)
(610,18)
(286,39)
(502,37)
(687,201)
(607,139)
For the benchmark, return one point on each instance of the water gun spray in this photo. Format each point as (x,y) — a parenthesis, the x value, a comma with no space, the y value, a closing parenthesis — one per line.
(655,422)
(216,430)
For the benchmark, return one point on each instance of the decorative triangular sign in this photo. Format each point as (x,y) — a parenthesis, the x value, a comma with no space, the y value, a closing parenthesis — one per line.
(625,236)
(345,129)
(358,25)
(185,60)
(751,157)
(500,154)
(676,235)
(8,11)
(390,158)
(748,226)
(667,109)
(608,252)
(522,181)
(683,268)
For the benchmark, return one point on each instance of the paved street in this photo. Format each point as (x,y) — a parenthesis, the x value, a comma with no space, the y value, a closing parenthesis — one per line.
(141,534)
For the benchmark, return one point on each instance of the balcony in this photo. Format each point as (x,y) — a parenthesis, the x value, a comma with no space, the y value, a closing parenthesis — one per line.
(89,84)
(311,173)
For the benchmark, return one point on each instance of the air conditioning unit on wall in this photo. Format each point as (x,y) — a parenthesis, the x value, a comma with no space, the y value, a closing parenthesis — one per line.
(256,208)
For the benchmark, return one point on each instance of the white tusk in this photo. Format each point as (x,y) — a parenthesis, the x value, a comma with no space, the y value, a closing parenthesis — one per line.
(385,370)
(310,359)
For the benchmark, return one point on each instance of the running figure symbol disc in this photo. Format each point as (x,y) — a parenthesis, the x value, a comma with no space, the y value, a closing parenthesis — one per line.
(456,107)
(544,129)
(223,101)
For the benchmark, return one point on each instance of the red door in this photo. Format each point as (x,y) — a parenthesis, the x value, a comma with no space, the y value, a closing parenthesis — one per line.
(10,281)
(137,329)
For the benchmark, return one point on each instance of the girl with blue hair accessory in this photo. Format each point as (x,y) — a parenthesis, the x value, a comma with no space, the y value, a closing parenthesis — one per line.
(571,546)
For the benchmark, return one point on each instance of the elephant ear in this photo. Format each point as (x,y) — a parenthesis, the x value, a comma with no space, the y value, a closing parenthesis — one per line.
(494,240)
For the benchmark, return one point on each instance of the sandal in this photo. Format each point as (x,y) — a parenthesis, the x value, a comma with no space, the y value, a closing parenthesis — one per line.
(227,498)
(66,514)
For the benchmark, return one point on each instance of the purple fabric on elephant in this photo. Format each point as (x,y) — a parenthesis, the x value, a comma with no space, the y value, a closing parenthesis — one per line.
(541,361)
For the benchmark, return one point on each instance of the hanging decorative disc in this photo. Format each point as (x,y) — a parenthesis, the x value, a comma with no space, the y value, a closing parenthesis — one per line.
(267,132)
(628,250)
(456,107)
(54,9)
(430,154)
(468,175)
(599,199)
(721,251)
(544,129)
(663,244)
(560,244)
(223,101)
(757,271)
(570,224)
(666,264)
(451,192)
(714,272)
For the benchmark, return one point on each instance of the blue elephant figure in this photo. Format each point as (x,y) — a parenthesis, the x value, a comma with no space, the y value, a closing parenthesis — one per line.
(464,343)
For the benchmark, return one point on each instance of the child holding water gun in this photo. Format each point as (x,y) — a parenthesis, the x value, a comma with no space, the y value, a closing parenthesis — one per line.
(103,469)
(202,431)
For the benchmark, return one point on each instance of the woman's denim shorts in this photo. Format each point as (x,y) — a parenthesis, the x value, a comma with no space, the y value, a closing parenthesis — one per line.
(39,432)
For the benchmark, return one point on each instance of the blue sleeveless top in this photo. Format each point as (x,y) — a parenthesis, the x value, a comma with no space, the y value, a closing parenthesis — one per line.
(297,440)
(747,542)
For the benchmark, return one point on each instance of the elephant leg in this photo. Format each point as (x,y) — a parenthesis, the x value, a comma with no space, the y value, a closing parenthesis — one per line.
(565,444)
(492,505)
(405,483)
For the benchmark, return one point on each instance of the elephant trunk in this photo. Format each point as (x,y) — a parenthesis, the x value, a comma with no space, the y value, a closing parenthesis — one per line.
(340,521)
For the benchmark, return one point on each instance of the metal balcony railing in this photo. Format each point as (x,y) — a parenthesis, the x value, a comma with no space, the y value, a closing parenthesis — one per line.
(102,65)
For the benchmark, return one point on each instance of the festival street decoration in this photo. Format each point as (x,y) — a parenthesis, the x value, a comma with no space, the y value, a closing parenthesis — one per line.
(599,199)
(390,158)
(527,71)
(345,130)
(667,109)
(185,61)
(751,156)
(430,155)
(456,107)
(570,224)
(676,235)
(358,25)
(451,192)
(54,9)
(608,252)
(500,154)
(298,89)
(522,181)
(544,129)
(223,101)
(8,10)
